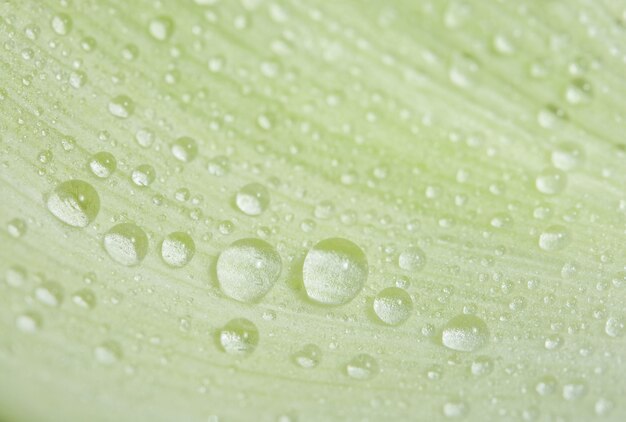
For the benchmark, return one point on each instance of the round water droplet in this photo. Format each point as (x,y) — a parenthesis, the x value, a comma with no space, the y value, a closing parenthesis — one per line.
(238,337)
(334,271)
(455,408)
(126,244)
(108,352)
(28,322)
(465,333)
(614,327)
(308,357)
(49,293)
(412,259)
(102,164)
(253,199)
(554,238)
(247,269)
(567,156)
(579,91)
(551,181)
(77,79)
(574,390)
(85,298)
(61,24)
(121,106)
(362,367)
(161,28)
(184,149)
(144,137)
(74,202)
(143,175)
(481,366)
(218,166)
(16,227)
(546,385)
(393,305)
(177,249)
(603,406)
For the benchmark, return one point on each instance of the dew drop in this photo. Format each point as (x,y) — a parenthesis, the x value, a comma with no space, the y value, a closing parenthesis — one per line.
(108,352)
(362,367)
(253,199)
(77,79)
(334,271)
(28,322)
(15,276)
(144,137)
(61,24)
(102,164)
(184,149)
(121,106)
(143,175)
(247,269)
(546,385)
(161,28)
(455,408)
(84,298)
(567,156)
(177,249)
(126,244)
(614,327)
(465,333)
(481,366)
(551,181)
(238,337)
(49,293)
(393,305)
(218,166)
(74,202)
(412,259)
(308,357)
(16,227)
(574,390)
(554,238)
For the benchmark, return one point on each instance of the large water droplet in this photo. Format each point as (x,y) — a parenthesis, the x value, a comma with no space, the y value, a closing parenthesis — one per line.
(143,175)
(334,271)
(184,149)
(393,305)
(102,164)
(247,269)
(614,327)
(362,367)
(238,337)
(412,259)
(252,199)
(74,202)
(177,249)
(465,333)
(126,244)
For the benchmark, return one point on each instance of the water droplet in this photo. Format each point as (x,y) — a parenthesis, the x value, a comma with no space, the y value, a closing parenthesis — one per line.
(121,106)
(455,408)
(334,271)
(362,367)
(184,149)
(567,156)
(108,352)
(247,269)
(102,164)
(253,199)
(161,28)
(238,337)
(49,293)
(603,406)
(74,202)
(308,357)
(177,249)
(15,276)
(61,24)
(551,181)
(77,79)
(546,385)
(579,91)
(85,298)
(412,259)
(143,175)
(393,305)
(614,327)
(574,390)
(554,238)
(481,366)
(144,137)
(553,342)
(465,333)
(126,244)
(218,166)
(16,227)
(28,322)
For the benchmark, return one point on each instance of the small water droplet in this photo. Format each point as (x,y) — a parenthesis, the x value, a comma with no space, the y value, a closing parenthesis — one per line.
(567,156)
(74,202)
(85,298)
(218,166)
(614,327)
(238,337)
(121,106)
(465,333)
(253,199)
(308,357)
(28,322)
(362,367)
(102,164)
(546,385)
(455,408)
(481,366)
(247,269)
(554,238)
(49,293)
(143,175)
(108,352)
(334,271)
(15,276)
(177,249)
(574,390)
(393,305)
(184,149)
(16,227)
(126,244)
(551,181)
(161,28)
(61,24)
(412,259)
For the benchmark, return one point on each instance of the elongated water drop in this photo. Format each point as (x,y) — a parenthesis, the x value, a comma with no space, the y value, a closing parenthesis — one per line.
(252,199)
(248,269)
(121,106)
(308,357)
(362,367)
(465,333)
(74,202)
(334,271)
